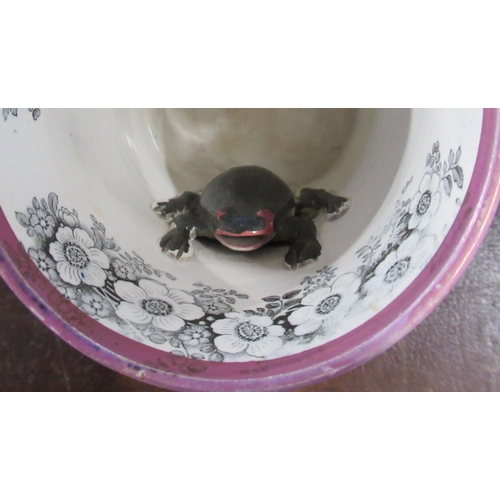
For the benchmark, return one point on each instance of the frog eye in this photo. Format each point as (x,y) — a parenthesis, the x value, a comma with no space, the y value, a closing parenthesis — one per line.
(220,214)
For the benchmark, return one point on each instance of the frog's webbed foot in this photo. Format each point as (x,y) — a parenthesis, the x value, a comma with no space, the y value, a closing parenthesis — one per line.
(301,250)
(186,227)
(304,245)
(176,241)
(311,201)
(186,201)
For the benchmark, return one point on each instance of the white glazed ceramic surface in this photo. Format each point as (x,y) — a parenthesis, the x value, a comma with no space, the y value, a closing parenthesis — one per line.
(77,188)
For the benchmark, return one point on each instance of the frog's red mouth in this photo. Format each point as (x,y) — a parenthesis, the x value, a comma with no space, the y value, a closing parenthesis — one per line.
(246,241)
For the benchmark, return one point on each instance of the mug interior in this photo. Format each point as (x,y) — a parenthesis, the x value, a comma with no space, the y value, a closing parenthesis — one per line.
(109,166)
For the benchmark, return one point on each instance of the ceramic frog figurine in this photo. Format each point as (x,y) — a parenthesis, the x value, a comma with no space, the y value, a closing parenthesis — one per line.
(246,207)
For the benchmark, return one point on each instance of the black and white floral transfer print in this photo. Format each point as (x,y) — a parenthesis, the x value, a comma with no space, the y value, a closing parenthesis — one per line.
(120,289)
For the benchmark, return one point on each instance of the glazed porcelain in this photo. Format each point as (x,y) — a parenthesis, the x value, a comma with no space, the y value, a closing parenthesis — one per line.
(76,192)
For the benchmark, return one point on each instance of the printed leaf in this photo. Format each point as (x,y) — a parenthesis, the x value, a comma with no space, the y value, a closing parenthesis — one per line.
(216,356)
(291,303)
(291,295)
(36,113)
(137,256)
(157,339)
(401,227)
(448,184)
(428,160)
(219,290)
(241,296)
(98,240)
(196,367)
(53,202)
(22,219)
(230,300)
(365,254)
(271,298)
(451,158)
(458,176)
(273,305)
(36,205)
(44,205)
(207,348)
(458,155)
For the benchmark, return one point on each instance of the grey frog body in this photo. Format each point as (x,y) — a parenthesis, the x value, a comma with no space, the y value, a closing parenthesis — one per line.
(245,208)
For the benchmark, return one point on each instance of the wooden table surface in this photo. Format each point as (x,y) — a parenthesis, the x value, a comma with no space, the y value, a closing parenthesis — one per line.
(457,348)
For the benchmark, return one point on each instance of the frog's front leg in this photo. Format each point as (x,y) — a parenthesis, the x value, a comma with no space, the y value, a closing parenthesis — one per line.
(186,201)
(304,243)
(187,227)
(311,201)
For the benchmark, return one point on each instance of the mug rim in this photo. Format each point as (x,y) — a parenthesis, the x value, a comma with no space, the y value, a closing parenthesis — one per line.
(358,346)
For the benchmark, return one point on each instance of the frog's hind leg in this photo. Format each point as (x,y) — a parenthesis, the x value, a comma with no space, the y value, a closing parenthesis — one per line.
(311,201)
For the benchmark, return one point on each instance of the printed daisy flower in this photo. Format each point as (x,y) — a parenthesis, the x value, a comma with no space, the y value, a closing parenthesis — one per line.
(410,257)
(95,305)
(44,263)
(152,302)
(41,223)
(124,270)
(326,304)
(77,258)
(425,203)
(255,335)
(195,335)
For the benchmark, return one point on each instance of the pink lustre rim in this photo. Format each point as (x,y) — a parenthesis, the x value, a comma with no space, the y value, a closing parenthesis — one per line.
(358,346)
